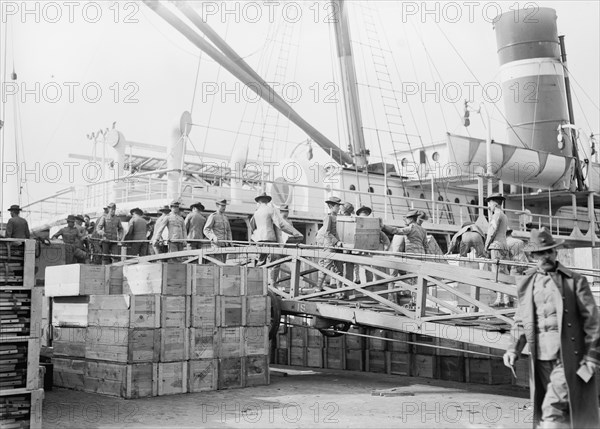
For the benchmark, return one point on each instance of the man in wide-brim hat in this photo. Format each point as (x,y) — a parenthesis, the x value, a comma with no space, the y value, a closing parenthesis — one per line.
(73,239)
(111,231)
(136,233)
(218,230)
(558,317)
(156,241)
(495,242)
(194,226)
(416,236)
(327,236)
(16,227)
(174,223)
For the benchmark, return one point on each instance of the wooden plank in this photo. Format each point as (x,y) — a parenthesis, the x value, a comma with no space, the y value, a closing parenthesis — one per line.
(254,281)
(135,311)
(202,343)
(174,344)
(123,345)
(114,279)
(256,371)
(23,409)
(76,279)
(175,311)
(230,373)
(205,280)
(202,375)
(172,378)
(204,311)
(256,340)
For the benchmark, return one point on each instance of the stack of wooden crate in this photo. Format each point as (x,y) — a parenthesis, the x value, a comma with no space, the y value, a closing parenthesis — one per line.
(20,323)
(160,329)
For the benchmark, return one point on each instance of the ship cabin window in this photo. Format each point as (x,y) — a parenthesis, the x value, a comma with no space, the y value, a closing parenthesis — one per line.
(422,196)
(456,200)
(440,198)
(352,188)
(389,191)
(404,162)
(371,190)
(435,156)
(422,157)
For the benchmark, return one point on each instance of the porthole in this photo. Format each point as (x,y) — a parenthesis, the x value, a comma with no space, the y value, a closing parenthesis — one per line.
(435,156)
(371,190)
(389,191)
(352,188)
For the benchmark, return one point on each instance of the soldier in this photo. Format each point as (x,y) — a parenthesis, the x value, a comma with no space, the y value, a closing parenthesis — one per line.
(16,227)
(384,244)
(175,225)
(194,226)
(516,253)
(416,236)
(218,230)
(110,230)
(73,239)
(468,239)
(327,236)
(156,240)
(558,317)
(137,233)
(283,237)
(495,242)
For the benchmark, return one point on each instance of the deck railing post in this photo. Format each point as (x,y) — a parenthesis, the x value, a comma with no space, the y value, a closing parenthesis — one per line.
(295,278)
(420,306)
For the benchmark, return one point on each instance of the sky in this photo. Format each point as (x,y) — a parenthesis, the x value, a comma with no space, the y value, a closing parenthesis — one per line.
(81,66)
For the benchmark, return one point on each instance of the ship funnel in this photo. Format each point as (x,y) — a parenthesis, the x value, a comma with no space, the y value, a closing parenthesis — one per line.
(532,78)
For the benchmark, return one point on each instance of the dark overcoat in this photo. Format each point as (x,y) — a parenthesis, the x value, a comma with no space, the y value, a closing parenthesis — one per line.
(579,328)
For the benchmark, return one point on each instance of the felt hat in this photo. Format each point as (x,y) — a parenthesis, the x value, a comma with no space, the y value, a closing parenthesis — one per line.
(221,202)
(71,218)
(165,209)
(496,197)
(412,213)
(364,209)
(136,210)
(333,200)
(423,215)
(541,240)
(199,206)
(263,196)
(79,218)
(174,204)
(14,208)
(111,206)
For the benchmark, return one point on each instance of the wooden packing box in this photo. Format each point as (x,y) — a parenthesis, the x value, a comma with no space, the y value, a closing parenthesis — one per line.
(424,366)
(230,280)
(21,312)
(205,280)
(281,356)
(298,356)
(359,232)
(400,345)
(230,373)
(451,344)
(114,279)
(334,358)
(125,311)
(298,336)
(76,279)
(314,357)
(256,371)
(487,371)
(256,340)
(258,310)
(377,343)
(204,311)
(19,362)
(354,342)
(202,375)
(161,278)
(175,311)
(354,360)
(334,342)
(122,345)
(172,378)
(68,373)
(452,368)
(229,343)
(232,311)
(283,340)
(376,361)
(174,344)
(68,341)
(426,341)
(400,363)
(128,381)
(315,338)
(522,371)
(23,409)
(255,281)
(202,343)
(70,311)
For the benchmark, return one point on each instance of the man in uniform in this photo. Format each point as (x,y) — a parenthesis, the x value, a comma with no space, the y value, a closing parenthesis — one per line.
(194,226)
(136,232)
(558,317)
(157,247)
(111,231)
(217,229)
(16,227)
(495,242)
(175,226)
(516,253)
(327,237)
(73,238)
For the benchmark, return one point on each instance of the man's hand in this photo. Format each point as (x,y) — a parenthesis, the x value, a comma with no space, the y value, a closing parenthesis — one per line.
(509,359)
(593,366)
(214,239)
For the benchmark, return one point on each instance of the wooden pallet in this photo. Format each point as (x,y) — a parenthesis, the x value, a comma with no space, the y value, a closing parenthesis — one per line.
(22,409)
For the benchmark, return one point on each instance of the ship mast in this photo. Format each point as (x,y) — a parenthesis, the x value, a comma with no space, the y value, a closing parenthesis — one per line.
(348,72)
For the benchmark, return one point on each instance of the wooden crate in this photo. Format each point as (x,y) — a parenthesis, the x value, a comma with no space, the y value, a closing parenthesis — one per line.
(68,373)
(174,344)
(256,371)
(354,342)
(254,281)
(298,336)
(205,280)
(487,371)
(175,311)
(76,279)
(283,340)
(424,366)
(452,368)
(354,360)
(314,357)
(202,375)
(256,340)
(70,311)
(426,341)
(17,263)
(378,343)
(125,311)
(204,311)
(68,341)
(359,232)
(128,381)
(401,342)
(231,311)
(442,342)
(114,279)
(230,281)
(376,361)
(160,278)
(315,338)
(281,356)
(230,373)
(21,312)
(22,409)
(172,378)
(522,371)
(258,310)
(229,342)
(19,362)
(334,358)
(202,343)
(400,363)
(122,345)
(298,356)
